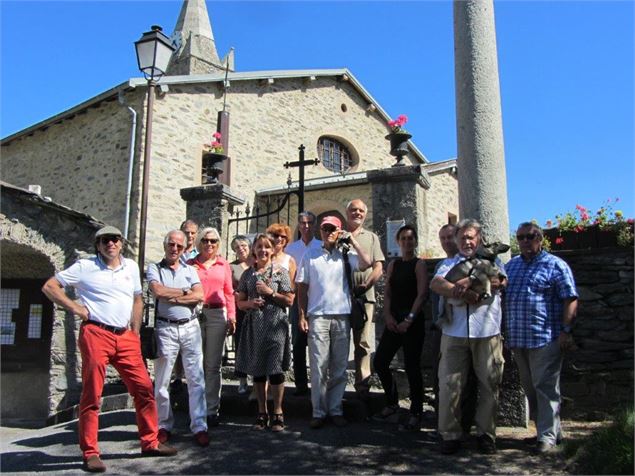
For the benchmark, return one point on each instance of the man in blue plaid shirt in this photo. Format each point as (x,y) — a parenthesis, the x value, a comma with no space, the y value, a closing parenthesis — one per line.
(540,306)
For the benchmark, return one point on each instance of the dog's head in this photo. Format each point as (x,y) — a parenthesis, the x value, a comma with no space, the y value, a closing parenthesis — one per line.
(489,251)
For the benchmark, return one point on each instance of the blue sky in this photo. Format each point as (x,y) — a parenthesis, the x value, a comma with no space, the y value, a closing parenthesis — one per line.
(566,72)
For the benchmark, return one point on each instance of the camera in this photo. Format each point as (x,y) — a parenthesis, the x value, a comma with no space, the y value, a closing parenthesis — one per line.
(344,241)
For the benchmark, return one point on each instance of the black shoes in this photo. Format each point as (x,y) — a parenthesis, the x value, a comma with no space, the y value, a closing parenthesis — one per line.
(486,445)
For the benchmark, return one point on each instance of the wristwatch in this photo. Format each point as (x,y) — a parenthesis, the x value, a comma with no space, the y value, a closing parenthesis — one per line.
(410,317)
(566,328)
(185,291)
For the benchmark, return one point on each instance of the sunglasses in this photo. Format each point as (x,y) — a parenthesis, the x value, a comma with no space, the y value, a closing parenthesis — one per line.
(178,247)
(104,240)
(276,236)
(209,241)
(528,236)
(328,229)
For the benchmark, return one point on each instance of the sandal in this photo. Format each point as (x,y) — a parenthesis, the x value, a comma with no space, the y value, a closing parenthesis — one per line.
(261,421)
(277,422)
(386,413)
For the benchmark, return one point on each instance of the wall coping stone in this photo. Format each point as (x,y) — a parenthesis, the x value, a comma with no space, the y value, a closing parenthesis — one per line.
(400,174)
(218,190)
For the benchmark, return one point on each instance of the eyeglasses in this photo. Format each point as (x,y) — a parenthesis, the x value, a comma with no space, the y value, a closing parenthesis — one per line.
(528,236)
(328,228)
(275,236)
(209,241)
(104,240)
(172,245)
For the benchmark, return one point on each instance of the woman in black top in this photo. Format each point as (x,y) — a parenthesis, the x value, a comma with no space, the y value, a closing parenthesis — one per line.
(405,293)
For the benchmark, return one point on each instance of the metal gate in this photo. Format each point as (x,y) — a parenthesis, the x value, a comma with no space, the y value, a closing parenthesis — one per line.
(264,214)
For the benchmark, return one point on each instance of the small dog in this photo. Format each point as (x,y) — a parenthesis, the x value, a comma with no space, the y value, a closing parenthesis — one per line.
(480,268)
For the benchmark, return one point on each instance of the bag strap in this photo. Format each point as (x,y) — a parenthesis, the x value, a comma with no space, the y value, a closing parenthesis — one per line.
(348,272)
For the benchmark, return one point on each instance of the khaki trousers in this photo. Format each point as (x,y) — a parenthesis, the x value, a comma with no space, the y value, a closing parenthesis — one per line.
(457,354)
(364,345)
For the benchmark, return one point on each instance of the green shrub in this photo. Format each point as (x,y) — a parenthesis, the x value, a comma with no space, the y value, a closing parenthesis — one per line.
(610,450)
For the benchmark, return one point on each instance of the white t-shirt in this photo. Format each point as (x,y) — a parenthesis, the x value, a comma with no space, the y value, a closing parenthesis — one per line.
(484,317)
(323,272)
(107,293)
(298,248)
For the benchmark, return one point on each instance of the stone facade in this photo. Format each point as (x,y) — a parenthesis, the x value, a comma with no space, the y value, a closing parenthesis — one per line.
(44,238)
(268,123)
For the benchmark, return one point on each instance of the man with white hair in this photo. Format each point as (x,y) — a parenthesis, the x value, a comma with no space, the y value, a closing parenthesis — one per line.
(177,289)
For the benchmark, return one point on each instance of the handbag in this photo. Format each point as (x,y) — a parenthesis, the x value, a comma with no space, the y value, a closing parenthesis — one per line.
(149,347)
(358,317)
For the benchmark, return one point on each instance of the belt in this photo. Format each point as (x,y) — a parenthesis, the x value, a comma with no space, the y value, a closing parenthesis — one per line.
(178,322)
(106,327)
(213,306)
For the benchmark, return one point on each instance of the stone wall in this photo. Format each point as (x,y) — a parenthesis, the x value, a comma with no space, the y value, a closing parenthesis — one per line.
(599,375)
(49,239)
(80,162)
(441,200)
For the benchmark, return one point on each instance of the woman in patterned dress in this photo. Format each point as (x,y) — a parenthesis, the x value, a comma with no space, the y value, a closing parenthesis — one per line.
(264,293)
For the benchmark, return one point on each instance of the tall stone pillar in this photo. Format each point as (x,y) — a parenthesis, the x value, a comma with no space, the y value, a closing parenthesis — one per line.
(481,156)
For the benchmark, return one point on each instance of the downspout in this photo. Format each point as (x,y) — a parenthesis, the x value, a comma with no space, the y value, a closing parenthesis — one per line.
(133,141)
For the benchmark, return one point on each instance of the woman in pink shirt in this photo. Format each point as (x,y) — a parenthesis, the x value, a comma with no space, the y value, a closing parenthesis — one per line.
(219,313)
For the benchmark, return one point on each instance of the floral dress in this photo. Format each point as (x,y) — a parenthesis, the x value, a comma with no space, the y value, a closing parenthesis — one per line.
(264,347)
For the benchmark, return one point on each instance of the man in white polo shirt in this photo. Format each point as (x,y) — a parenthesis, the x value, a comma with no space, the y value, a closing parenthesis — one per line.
(178,290)
(324,303)
(110,306)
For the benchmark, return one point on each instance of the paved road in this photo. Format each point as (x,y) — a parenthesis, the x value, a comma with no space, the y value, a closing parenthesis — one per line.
(363,447)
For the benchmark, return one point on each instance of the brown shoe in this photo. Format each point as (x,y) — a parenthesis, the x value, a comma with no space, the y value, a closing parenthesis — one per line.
(202,438)
(94,464)
(161,450)
(164,435)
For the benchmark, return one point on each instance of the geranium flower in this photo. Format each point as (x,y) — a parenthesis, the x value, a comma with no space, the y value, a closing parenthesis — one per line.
(559,240)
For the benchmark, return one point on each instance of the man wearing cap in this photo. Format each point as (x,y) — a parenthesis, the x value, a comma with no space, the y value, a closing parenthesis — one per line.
(110,307)
(364,282)
(178,290)
(324,304)
(306,227)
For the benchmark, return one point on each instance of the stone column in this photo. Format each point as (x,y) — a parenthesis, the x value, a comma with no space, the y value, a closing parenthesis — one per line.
(398,192)
(481,156)
(210,205)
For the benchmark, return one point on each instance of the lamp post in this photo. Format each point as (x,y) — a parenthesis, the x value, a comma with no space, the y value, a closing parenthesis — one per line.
(154,50)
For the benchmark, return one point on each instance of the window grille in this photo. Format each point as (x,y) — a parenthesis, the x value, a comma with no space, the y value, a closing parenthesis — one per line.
(35,321)
(9,300)
(334,155)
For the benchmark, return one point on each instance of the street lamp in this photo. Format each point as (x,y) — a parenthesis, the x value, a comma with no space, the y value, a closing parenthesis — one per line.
(154,50)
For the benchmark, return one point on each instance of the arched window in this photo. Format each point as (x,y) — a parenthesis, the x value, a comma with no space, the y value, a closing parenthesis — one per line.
(334,155)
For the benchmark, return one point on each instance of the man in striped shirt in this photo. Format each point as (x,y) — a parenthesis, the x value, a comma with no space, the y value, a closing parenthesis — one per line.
(540,306)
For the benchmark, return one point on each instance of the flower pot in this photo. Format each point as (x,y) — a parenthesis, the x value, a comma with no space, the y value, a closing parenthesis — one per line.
(212,167)
(398,143)
(590,237)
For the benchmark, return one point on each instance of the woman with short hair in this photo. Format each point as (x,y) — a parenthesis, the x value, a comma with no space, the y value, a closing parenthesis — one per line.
(219,313)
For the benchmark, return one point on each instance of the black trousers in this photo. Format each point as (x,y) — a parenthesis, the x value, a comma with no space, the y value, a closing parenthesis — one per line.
(412,343)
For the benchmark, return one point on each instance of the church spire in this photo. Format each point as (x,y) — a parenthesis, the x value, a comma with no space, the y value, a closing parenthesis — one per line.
(196,50)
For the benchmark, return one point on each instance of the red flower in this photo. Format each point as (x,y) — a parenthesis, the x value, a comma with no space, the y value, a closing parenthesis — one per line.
(578,228)
(559,240)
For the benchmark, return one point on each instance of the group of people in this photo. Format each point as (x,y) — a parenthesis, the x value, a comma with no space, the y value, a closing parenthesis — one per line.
(283,302)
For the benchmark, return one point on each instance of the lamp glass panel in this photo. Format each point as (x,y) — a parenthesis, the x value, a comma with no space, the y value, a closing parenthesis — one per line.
(163,56)
(145,54)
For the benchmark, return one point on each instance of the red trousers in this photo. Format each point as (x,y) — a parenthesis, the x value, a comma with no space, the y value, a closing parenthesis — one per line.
(99,348)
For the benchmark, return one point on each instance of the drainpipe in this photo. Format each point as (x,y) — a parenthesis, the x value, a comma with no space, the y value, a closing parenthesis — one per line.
(133,141)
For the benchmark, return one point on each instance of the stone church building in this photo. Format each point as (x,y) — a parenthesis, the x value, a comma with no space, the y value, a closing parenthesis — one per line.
(88,161)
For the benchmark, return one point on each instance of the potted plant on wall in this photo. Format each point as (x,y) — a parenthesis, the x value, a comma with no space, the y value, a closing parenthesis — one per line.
(584,229)
(213,158)
(398,137)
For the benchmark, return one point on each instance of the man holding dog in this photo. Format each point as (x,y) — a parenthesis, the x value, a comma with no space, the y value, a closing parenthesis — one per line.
(540,306)
(471,336)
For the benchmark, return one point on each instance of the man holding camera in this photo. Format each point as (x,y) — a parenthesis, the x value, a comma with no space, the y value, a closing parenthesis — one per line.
(324,305)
